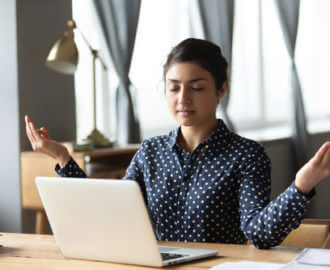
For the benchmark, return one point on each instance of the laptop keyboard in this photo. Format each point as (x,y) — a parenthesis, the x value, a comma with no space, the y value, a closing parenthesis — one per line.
(170,256)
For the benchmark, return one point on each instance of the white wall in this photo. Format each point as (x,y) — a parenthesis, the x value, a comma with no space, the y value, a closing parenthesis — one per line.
(28,29)
(10,210)
(47,96)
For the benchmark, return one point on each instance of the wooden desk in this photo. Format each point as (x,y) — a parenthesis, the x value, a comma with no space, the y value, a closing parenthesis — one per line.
(98,163)
(31,251)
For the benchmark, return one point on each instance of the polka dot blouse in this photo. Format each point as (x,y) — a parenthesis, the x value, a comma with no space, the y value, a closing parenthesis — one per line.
(218,193)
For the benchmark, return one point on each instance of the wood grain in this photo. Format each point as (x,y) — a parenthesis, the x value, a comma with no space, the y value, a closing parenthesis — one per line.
(32,251)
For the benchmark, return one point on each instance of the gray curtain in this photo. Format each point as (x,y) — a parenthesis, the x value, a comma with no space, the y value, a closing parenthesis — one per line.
(289,15)
(217,21)
(119,23)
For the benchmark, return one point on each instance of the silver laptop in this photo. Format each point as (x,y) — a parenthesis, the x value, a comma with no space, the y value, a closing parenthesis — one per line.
(106,220)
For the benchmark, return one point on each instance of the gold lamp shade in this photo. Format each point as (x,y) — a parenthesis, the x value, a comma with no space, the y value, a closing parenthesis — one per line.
(63,56)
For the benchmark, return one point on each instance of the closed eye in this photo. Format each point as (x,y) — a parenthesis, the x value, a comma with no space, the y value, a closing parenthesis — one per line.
(174,89)
(197,88)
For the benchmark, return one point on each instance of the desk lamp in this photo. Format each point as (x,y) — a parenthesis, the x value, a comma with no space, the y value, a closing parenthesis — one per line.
(63,58)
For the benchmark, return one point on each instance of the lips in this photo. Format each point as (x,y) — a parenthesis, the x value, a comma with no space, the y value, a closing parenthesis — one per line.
(185,112)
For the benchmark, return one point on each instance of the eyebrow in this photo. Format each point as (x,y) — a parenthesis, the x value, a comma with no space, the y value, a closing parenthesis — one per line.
(191,81)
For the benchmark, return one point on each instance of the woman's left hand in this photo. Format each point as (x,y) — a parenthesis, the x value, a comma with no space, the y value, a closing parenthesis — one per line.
(315,170)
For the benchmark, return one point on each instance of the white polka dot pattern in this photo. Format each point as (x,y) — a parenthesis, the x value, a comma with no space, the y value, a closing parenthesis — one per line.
(219,193)
(71,169)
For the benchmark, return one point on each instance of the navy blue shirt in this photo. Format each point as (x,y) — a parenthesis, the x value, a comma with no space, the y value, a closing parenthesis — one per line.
(218,193)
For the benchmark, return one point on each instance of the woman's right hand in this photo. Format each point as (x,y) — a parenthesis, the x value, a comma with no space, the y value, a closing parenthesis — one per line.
(41,142)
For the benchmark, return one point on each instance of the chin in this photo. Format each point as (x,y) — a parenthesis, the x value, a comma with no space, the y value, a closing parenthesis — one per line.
(193,121)
(187,122)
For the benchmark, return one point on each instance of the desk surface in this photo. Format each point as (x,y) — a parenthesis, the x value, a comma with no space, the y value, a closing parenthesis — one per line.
(31,251)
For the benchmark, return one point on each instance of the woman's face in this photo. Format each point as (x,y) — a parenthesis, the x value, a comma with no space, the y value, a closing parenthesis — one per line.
(191,94)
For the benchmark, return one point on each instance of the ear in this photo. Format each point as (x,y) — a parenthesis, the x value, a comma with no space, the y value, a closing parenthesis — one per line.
(222,91)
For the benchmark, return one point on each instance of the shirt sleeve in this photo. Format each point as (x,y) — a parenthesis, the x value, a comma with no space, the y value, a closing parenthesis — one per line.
(266,223)
(135,170)
(71,169)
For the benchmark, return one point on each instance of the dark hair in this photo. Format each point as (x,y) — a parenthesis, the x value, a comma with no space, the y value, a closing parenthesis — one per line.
(202,52)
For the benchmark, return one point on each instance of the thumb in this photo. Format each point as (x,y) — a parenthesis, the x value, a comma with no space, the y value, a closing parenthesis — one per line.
(43,132)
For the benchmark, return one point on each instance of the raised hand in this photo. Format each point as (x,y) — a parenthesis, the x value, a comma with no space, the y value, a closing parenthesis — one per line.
(315,170)
(42,142)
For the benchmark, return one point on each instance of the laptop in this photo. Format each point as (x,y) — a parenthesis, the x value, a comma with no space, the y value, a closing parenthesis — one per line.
(106,220)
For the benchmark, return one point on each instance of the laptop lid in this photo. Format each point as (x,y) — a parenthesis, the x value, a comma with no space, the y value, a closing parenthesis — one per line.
(103,220)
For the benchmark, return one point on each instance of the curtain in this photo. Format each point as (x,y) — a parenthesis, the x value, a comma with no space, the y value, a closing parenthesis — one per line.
(217,24)
(289,15)
(103,109)
(119,20)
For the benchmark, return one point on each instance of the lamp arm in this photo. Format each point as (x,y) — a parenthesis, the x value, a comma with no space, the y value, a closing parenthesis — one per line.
(102,62)
(93,51)
(94,88)
(84,38)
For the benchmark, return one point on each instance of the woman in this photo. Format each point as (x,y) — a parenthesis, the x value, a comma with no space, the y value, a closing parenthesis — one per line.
(203,182)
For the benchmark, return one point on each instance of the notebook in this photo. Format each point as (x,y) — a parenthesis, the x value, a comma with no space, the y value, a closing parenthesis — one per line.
(106,220)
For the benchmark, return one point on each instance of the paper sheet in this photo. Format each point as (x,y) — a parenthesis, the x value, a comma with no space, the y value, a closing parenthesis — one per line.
(299,266)
(246,265)
(314,256)
(308,259)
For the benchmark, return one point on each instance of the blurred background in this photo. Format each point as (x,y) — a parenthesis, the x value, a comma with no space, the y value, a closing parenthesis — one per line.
(279,69)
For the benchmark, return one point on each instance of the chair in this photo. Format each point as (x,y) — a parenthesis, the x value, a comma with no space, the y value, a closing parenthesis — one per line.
(311,233)
(98,163)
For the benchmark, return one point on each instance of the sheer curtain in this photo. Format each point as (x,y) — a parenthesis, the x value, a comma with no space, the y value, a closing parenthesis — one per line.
(289,16)
(217,24)
(119,23)
(312,57)
(162,25)
(85,16)
(261,103)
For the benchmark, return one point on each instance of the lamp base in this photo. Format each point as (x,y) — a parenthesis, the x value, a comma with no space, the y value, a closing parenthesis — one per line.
(98,139)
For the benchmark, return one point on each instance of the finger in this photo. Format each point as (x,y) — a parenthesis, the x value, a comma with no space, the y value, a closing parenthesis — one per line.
(34,132)
(29,126)
(28,130)
(326,155)
(40,132)
(27,118)
(322,151)
(30,136)
(45,132)
(322,156)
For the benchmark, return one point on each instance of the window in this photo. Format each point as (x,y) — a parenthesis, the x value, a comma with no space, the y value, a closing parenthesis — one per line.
(313,62)
(260,70)
(106,82)
(260,75)
(162,25)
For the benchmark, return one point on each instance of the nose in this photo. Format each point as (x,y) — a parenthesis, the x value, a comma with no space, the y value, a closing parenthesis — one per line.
(184,97)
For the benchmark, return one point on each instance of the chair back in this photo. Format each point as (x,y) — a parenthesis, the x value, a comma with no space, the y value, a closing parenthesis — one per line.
(311,233)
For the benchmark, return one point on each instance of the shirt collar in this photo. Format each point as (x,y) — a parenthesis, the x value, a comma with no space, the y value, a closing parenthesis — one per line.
(220,136)
(173,136)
